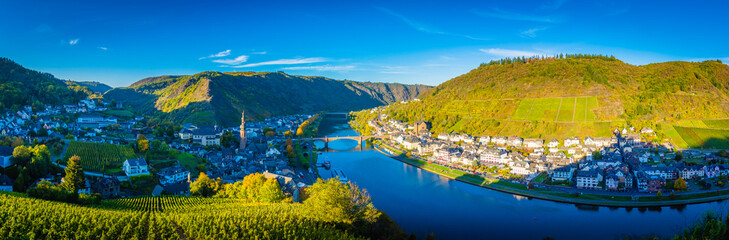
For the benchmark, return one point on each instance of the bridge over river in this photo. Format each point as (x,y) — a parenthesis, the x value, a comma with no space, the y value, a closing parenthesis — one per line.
(359,139)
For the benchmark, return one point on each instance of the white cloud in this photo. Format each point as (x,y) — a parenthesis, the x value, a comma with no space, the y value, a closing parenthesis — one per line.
(240,59)
(73,42)
(284,62)
(220,54)
(531,33)
(501,14)
(322,68)
(103,48)
(261,53)
(508,52)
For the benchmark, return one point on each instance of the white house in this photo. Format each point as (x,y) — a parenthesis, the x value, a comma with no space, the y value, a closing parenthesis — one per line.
(484,139)
(272,152)
(410,142)
(171,175)
(573,141)
(206,136)
(554,143)
(135,167)
(533,143)
(588,179)
(562,173)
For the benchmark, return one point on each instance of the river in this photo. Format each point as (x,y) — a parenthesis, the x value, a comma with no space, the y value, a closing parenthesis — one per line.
(422,202)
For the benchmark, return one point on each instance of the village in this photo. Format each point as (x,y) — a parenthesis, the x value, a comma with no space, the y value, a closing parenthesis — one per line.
(173,158)
(621,163)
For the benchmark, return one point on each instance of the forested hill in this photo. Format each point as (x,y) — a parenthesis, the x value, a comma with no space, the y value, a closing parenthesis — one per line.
(94,86)
(20,86)
(215,97)
(576,95)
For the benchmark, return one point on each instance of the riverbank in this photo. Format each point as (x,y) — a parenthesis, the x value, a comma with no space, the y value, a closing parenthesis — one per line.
(641,200)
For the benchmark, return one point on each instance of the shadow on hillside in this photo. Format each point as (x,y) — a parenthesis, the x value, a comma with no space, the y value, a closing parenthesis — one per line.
(716,143)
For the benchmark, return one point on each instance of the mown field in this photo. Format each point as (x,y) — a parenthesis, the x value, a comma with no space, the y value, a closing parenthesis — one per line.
(98,156)
(568,109)
(704,137)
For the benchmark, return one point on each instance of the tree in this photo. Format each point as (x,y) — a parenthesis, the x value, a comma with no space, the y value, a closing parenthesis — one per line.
(288,133)
(40,163)
(21,181)
(75,178)
(679,156)
(659,195)
(331,200)
(271,192)
(680,184)
(22,155)
(252,185)
(142,143)
(17,142)
(205,186)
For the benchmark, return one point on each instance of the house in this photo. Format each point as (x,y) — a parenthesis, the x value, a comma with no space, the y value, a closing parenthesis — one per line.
(6,184)
(655,183)
(563,173)
(410,142)
(181,189)
(554,143)
(646,130)
(573,141)
(589,141)
(588,179)
(206,136)
(612,182)
(171,175)
(444,155)
(273,152)
(185,134)
(515,141)
(443,136)
(135,167)
(107,187)
(533,143)
(499,140)
(490,155)
(484,139)
(288,186)
(6,153)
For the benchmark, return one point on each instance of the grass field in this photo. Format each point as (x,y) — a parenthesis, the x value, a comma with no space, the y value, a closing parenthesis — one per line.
(692,123)
(720,123)
(674,136)
(522,111)
(98,156)
(704,138)
(544,109)
(568,109)
(591,105)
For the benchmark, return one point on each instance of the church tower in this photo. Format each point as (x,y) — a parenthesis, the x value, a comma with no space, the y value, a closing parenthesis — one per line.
(243,138)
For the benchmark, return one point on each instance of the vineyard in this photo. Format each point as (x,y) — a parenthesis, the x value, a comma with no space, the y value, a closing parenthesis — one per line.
(138,218)
(98,156)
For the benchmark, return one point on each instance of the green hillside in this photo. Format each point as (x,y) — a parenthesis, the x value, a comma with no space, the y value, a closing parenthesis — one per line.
(94,86)
(215,97)
(579,96)
(20,86)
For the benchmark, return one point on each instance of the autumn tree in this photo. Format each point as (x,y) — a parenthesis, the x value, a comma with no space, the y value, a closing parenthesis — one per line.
(142,143)
(75,178)
(205,186)
(271,192)
(22,155)
(680,184)
(331,200)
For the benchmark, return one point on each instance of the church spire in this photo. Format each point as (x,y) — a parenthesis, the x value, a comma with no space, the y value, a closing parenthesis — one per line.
(243,138)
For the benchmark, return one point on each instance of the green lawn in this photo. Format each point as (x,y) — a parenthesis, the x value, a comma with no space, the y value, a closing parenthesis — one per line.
(188,161)
(674,136)
(704,137)
(580,109)
(591,105)
(522,111)
(567,109)
(720,123)
(545,109)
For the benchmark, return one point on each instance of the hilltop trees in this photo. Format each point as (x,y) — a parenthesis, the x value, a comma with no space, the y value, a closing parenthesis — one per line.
(330,200)
(75,178)
(271,192)
(142,143)
(205,186)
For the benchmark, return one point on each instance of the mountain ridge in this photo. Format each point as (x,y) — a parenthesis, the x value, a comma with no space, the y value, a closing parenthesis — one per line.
(218,98)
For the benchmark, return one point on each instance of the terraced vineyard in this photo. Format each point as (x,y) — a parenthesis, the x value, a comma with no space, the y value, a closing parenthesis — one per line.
(188,218)
(568,109)
(98,156)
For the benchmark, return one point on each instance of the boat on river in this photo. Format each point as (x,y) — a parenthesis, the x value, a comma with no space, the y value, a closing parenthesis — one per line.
(339,174)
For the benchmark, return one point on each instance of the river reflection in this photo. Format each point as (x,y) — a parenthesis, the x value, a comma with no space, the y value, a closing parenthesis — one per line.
(422,203)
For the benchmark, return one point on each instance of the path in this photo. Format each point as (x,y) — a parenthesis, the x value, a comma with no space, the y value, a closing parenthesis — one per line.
(573,110)
(55,160)
(530,110)
(559,108)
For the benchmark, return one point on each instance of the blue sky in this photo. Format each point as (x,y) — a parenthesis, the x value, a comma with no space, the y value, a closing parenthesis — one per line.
(120,42)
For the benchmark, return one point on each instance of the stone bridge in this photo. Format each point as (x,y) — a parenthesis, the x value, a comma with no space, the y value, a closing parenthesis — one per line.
(359,139)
